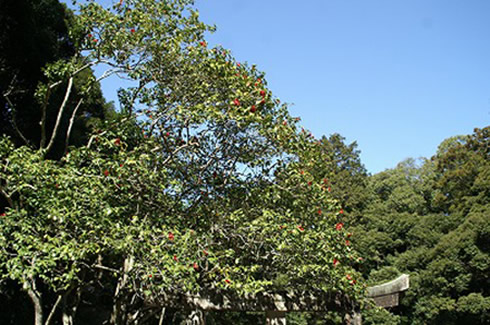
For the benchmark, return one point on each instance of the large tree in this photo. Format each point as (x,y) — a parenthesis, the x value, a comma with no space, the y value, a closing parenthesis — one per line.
(203,186)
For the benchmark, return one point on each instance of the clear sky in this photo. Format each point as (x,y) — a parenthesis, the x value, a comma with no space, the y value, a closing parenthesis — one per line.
(398,77)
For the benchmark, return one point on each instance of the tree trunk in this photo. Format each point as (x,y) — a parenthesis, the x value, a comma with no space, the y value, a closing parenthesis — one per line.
(35,296)
(70,306)
(353,319)
(196,318)
(119,312)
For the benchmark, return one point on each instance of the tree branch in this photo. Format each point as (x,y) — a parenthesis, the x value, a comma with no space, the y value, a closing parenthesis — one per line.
(53,310)
(72,120)
(30,287)
(14,124)
(7,197)
(60,114)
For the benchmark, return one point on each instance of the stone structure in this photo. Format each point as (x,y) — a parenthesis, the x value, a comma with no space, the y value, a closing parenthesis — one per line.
(276,306)
(388,294)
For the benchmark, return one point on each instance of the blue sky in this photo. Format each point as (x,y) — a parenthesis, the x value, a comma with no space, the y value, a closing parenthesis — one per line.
(398,77)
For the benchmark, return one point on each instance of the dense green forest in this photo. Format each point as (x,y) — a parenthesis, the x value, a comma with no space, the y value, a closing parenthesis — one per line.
(202,183)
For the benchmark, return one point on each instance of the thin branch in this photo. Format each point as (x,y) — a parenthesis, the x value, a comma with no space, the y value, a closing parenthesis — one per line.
(105,268)
(7,197)
(162,315)
(60,114)
(43,117)
(53,310)
(14,124)
(72,120)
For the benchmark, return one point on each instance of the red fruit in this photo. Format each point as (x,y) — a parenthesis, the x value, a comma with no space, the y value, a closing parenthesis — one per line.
(252,109)
(117,141)
(171,236)
(349,235)
(329,189)
(175,258)
(339,226)
(325,181)
(341,211)
(335,262)
(319,211)
(167,134)
(236,102)
(227,281)
(133,30)
(195,266)
(309,183)
(301,228)
(238,64)
(203,43)
(348,276)
(3,215)
(149,275)
(259,80)
(205,252)
(284,122)
(262,93)
(347,242)
(120,165)
(106,172)
(90,35)
(301,172)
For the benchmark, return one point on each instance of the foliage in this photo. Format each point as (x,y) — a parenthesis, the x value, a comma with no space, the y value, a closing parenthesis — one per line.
(202,186)
(43,26)
(431,221)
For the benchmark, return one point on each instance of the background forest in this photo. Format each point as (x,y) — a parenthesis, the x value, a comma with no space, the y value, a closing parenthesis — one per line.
(427,217)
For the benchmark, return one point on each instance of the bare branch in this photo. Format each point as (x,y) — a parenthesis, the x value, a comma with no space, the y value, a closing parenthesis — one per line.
(105,268)
(53,310)
(162,315)
(72,120)
(14,124)
(60,114)
(43,117)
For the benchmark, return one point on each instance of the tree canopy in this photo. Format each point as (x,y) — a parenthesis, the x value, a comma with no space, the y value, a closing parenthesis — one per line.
(202,185)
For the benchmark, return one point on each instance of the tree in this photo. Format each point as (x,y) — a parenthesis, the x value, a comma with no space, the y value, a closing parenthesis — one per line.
(347,176)
(37,33)
(203,185)
(430,221)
